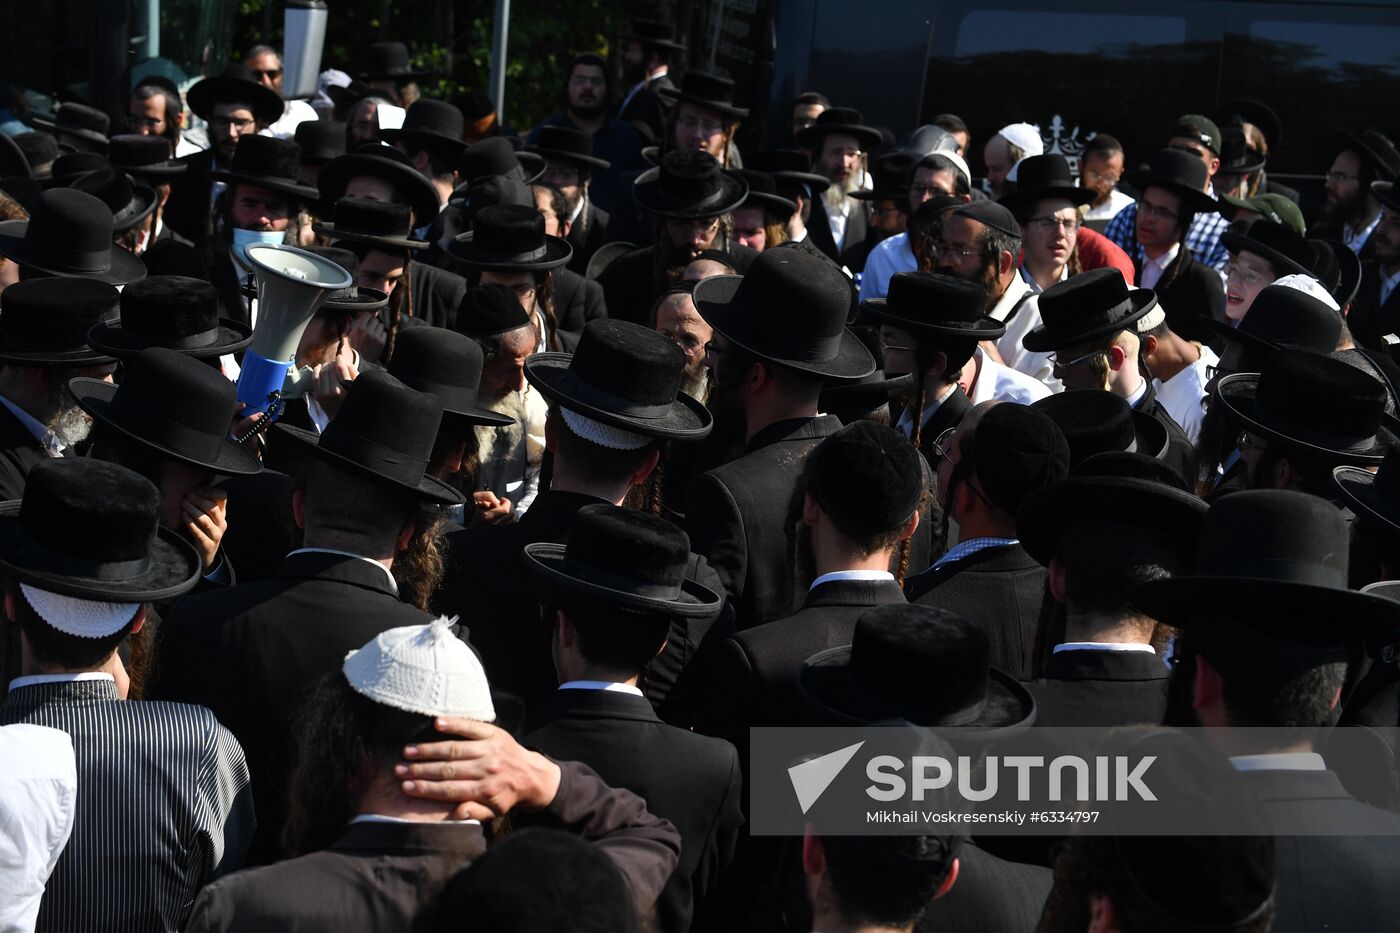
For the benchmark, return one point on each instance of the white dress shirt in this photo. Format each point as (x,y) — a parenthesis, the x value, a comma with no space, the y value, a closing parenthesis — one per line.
(294,113)
(1009,345)
(836,575)
(836,220)
(1152,269)
(1181,394)
(1103,646)
(1280,761)
(995,381)
(38,801)
(604,685)
(393,584)
(931,406)
(1109,209)
(1388,284)
(42,433)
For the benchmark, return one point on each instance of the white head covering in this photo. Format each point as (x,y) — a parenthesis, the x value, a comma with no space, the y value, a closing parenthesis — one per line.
(1309,286)
(327,79)
(960,162)
(604,435)
(38,802)
(422,669)
(83,618)
(1025,137)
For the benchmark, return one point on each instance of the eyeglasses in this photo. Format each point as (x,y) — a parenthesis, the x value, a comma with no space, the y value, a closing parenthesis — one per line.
(928,191)
(942,250)
(1246,442)
(1056,364)
(1249,277)
(713,352)
(1339,177)
(271,73)
(1054,224)
(883,211)
(1096,175)
(706,127)
(233,123)
(702,225)
(1157,213)
(134,121)
(942,445)
(845,153)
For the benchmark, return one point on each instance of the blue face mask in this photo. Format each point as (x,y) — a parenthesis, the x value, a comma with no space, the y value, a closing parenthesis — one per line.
(242,239)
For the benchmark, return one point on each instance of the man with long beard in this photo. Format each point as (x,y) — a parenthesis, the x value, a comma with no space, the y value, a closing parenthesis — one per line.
(43,329)
(839,142)
(1353,210)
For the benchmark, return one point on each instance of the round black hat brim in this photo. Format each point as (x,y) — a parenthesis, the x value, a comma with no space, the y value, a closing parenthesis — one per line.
(125,268)
(687,419)
(428,487)
(1045,338)
(550,562)
(110,338)
(1237,392)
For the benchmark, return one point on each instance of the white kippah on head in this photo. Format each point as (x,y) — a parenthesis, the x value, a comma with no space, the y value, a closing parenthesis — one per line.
(422,669)
(1025,137)
(1151,320)
(604,435)
(960,162)
(1309,286)
(82,618)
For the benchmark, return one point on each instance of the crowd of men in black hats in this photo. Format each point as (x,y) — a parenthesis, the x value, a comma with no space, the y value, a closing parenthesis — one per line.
(622,441)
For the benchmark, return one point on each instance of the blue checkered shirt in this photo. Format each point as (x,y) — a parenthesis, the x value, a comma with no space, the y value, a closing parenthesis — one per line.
(1203,239)
(971,546)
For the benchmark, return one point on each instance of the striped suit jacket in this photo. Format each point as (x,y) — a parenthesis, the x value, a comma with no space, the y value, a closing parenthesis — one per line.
(164,806)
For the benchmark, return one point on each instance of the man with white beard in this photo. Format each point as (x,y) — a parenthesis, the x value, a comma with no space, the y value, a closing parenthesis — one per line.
(677,320)
(43,343)
(839,142)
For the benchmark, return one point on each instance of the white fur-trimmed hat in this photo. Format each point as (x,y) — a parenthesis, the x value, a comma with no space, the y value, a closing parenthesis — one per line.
(422,669)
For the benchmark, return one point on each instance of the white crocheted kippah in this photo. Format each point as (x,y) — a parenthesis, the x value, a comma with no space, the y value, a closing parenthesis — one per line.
(1025,137)
(1309,286)
(422,669)
(604,435)
(83,618)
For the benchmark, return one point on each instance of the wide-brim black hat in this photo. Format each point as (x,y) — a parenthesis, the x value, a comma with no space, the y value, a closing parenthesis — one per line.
(827,682)
(51,124)
(1193,200)
(204,94)
(1358,485)
(123,267)
(388,243)
(551,562)
(1024,197)
(1135,503)
(985,327)
(428,487)
(109,337)
(1179,601)
(728,193)
(290,187)
(770,201)
(869,393)
(714,300)
(1242,242)
(12,160)
(1350,266)
(811,137)
(1043,177)
(685,418)
(422,196)
(109,184)
(555,252)
(565,155)
(1237,393)
(1044,338)
(681,96)
(390,61)
(95,397)
(174,566)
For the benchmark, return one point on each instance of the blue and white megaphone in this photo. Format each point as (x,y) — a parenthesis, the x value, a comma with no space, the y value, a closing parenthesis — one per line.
(291,284)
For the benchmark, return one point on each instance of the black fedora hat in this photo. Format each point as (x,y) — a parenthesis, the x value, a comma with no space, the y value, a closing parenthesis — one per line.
(494,155)
(488,310)
(69,233)
(920,664)
(1283,318)
(356,91)
(172,312)
(1041,178)
(379,224)
(130,204)
(1385,193)
(1373,496)
(1085,307)
(236,84)
(45,321)
(854,399)
(661,35)
(1243,110)
(1145,506)
(320,141)
(623,375)
(844,120)
(269,163)
(386,163)
(1349,279)
(146,158)
(891,176)
(763,192)
(1276,557)
(384,430)
(566,144)
(173,404)
(84,122)
(1374,147)
(1236,156)
(91,529)
(353,297)
(171,257)
(491,191)
(689,184)
(13,163)
(1182,173)
(510,238)
(71,166)
(389,61)
(1094,421)
(431,122)
(1314,403)
(40,150)
(791,309)
(1288,252)
(706,90)
(792,170)
(446,364)
(627,558)
(935,305)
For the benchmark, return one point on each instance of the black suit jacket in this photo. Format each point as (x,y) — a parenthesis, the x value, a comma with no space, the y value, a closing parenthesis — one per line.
(251,652)
(1195,290)
(188,210)
(648,108)
(227,280)
(1181,455)
(1101,688)
(488,581)
(629,287)
(1328,882)
(750,679)
(1002,589)
(736,515)
(586,242)
(1370,319)
(19,453)
(819,228)
(691,780)
(577,301)
(437,294)
(949,415)
(991,895)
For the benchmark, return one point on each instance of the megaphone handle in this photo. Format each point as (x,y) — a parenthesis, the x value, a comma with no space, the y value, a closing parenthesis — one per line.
(274,411)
